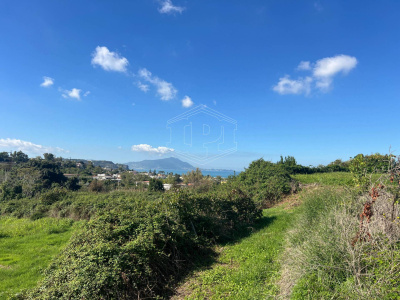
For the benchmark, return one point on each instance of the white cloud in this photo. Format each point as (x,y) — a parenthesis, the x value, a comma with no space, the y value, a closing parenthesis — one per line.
(86,94)
(109,61)
(330,66)
(187,102)
(168,8)
(165,90)
(143,87)
(27,147)
(321,78)
(325,69)
(47,81)
(150,149)
(304,65)
(290,86)
(74,93)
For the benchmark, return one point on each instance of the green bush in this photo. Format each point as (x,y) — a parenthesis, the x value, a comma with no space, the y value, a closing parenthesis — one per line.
(137,248)
(265,181)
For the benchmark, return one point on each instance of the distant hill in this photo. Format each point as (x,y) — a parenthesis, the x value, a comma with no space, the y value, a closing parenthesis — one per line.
(170,163)
(102,163)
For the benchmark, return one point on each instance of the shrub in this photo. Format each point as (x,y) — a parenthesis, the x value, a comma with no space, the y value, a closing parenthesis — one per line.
(265,181)
(137,248)
(156,185)
(96,186)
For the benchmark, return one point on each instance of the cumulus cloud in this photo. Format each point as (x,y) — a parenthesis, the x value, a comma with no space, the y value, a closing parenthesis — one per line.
(27,147)
(47,81)
(325,69)
(291,86)
(165,90)
(322,73)
(330,66)
(108,60)
(168,8)
(74,93)
(187,102)
(150,149)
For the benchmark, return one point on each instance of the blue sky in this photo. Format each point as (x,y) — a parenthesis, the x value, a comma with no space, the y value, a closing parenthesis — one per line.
(318,80)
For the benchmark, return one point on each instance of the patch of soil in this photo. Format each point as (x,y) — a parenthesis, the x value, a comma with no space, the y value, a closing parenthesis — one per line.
(5,267)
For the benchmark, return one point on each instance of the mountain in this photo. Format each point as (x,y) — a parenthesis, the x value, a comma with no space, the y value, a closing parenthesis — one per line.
(101,163)
(170,163)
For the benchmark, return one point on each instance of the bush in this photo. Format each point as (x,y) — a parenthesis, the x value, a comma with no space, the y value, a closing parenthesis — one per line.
(96,186)
(137,248)
(155,185)
(266,182)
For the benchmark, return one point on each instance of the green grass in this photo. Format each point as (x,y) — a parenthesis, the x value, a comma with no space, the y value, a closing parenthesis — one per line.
(26,248)
(247,269)
(334,178)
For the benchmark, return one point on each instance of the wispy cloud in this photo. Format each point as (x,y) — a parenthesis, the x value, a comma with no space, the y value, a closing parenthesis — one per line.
(165,90)
(187,102)
(143,87)
(47,81)
(150,149)
(86,94)
(321,78)
(291,86)
(27,147)
(74,94)
(108,60)
(168,8)
(304,65)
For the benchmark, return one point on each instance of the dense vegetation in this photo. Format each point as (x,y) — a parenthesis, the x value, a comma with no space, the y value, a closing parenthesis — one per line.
(137,240)
(333,254)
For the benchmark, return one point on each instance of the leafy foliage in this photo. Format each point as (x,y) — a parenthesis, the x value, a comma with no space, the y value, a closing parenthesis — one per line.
(137,248)
(155,185)
(265,181)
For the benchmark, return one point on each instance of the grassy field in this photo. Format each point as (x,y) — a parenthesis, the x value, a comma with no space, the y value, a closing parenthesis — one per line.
(334,178)
(26,248)
(247,269)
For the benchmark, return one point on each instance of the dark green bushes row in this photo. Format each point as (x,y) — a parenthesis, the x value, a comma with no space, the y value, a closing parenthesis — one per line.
(136,248)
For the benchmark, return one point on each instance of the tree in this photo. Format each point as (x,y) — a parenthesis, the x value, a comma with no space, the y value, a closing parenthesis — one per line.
(266,181)
(4,157)
(73,184)
(19,157)
(48,156)
(155,185)
(195,177)
(96,186)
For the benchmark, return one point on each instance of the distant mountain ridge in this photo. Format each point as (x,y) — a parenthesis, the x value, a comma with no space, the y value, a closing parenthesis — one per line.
(100,163)
(170,163)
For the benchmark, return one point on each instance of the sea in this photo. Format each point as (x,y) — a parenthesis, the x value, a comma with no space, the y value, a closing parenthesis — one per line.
(212,173)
